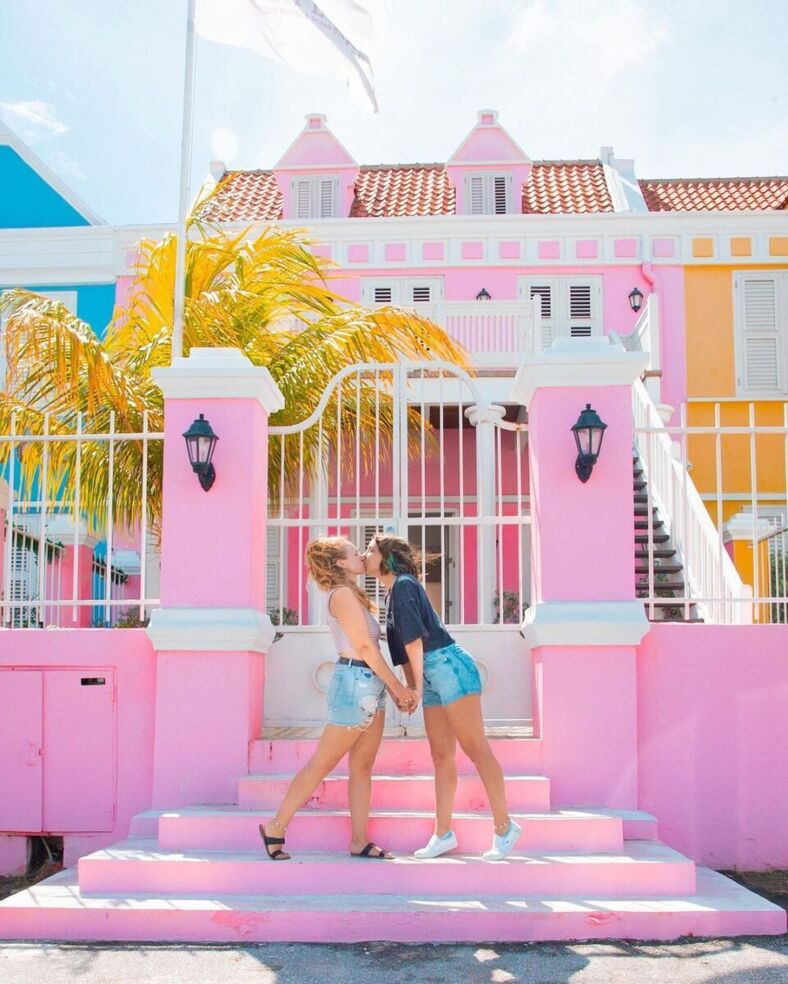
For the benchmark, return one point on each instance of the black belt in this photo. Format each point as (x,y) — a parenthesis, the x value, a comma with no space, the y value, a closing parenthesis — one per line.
(352,662)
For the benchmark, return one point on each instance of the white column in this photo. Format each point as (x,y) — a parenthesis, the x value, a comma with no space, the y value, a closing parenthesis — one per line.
(484,420)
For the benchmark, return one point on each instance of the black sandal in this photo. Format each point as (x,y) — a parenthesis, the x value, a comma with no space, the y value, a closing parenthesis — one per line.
(367,853)
(278,854)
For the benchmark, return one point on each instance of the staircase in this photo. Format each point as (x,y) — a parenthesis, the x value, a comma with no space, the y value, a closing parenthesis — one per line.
(664,560)
(200,874)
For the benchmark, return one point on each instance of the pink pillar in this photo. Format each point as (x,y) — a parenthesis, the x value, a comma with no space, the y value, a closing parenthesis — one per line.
(3,534)
(585,623)
(212,630)
(84,583)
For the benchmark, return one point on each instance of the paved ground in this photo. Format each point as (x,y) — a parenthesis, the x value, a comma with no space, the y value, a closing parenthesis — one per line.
(755,960)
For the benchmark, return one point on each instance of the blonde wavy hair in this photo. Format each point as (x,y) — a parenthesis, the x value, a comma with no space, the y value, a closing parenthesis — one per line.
(321,557)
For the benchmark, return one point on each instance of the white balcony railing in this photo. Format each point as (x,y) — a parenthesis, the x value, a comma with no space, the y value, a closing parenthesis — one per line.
(497,333)
(645,337)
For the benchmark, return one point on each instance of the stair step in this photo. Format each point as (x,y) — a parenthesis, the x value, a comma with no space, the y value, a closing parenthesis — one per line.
(643,510)
(658,553)
(392,792)
(661,586)
(638,485)
(231,828)
(643,524)
(396,756)
(55,909)
(642,868)
(657,538)
(659,568)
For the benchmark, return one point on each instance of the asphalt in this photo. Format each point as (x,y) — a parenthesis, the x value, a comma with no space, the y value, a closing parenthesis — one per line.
(754,960)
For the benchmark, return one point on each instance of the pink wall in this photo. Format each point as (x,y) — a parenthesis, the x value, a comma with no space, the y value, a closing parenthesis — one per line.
(712,740)
(126,659)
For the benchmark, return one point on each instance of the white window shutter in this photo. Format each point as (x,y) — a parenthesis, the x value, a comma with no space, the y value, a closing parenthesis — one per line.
(580,313)
(421,294)
(274,560)
(500,194)
(545,289)
(302,193)
(383,294)
(475,194)
(762,345)
(327,203)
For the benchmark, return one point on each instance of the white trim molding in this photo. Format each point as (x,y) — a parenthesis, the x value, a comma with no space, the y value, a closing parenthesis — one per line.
(585,623)
(210,630)
(219,373)
(578,362)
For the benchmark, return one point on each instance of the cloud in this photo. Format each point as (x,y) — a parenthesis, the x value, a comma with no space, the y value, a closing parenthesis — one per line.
(34,120)
(587,42)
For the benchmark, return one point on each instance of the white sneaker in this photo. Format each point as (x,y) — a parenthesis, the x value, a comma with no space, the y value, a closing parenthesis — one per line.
(436,846)
(504,845)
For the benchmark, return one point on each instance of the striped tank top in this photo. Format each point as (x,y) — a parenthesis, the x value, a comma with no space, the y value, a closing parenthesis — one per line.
(344,646)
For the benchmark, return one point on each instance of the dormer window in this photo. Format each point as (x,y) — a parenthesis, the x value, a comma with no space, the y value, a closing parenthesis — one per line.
(488,194)
(315,198)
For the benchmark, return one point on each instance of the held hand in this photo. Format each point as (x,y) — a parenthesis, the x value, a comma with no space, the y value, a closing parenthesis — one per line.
(414,699)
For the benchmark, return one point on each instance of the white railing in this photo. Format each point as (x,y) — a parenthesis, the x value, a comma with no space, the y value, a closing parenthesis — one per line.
(410,448)
(67,563)
(711,579)
(645,337)
(496,332)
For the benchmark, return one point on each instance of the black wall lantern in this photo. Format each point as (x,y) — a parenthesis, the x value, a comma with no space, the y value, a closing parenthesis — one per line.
(200,443)
(635,299)
(589,431)
(483,295)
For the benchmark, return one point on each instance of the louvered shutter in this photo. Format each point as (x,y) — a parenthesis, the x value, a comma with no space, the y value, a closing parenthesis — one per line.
(500,194)
(762,347)
(274,561)
(327,189)
(475,194)
(545,290)
(302,191)
(580,310)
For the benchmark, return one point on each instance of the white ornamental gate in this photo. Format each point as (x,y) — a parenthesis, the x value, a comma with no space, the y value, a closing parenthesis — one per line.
(411,448)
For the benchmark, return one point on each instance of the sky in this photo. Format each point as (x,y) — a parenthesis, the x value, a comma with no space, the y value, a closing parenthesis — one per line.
(688,88)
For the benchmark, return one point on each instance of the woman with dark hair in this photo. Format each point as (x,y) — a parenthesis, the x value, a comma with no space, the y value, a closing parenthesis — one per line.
(446,680)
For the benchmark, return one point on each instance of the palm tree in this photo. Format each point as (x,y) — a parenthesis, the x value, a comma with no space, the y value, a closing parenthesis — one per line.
(264,293)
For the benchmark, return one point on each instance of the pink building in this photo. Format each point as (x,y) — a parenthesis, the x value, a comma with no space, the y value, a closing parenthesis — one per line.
(617,642)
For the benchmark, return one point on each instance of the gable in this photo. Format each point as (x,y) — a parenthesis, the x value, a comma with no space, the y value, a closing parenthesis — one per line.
(28,201)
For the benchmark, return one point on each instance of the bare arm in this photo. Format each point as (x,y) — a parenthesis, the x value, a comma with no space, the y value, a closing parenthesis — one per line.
(415,651)
(346,607)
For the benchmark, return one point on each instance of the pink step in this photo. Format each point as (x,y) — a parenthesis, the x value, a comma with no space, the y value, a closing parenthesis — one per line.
(56,910)
(397,756)
(230,828)
(526,793)
(139,867)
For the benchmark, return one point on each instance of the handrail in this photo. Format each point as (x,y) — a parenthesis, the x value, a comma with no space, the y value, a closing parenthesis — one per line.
(711,577)
(645,337)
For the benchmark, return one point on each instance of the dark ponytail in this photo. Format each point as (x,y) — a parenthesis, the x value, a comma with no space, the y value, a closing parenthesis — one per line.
(398,555)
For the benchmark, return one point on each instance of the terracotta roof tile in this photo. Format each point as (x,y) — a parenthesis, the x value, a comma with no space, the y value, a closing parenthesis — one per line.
(566,186)
(245,196)
(403,189)
(714,194)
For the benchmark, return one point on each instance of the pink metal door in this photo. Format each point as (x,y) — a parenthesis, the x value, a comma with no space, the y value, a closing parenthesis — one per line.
(20,750)
(79,750)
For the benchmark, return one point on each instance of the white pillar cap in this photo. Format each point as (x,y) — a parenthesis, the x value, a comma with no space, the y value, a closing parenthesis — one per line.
(219,373)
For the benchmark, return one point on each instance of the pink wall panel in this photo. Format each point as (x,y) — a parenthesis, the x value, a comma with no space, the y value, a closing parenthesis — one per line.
(473,250)
(712,736)
(21,742)
(509,250)
(432,251)
(358,253)
(663,247)
(625,248)
(548,249)
(394,251)
(586,249)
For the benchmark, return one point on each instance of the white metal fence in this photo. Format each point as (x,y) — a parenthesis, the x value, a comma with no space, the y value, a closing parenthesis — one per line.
(414,449)
(66,563)
(716,486)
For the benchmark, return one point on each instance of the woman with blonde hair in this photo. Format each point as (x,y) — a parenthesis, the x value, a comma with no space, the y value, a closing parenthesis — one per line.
(446,680)
(356,698)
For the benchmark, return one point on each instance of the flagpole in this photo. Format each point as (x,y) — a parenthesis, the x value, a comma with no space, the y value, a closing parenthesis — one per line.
(183,198)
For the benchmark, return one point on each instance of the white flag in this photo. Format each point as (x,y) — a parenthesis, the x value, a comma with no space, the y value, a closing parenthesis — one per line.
(331,38)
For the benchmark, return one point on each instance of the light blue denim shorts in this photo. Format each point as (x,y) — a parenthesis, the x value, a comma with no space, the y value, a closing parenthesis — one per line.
(449,674)
(355,695)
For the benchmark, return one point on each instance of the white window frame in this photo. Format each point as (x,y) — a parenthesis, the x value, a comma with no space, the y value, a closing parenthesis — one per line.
(780,280)
(560,323)
(310,192)
(480,193)
(402,289)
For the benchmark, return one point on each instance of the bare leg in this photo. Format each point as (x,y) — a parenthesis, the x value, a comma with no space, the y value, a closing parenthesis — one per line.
(359,787)
(334,743)
(467,723)
(443,749)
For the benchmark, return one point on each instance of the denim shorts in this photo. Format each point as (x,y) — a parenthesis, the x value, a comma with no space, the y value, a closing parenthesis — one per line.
(449,674)
(355,695)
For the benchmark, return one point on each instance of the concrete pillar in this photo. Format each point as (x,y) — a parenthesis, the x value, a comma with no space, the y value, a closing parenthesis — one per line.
(585,623)
(211,630)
